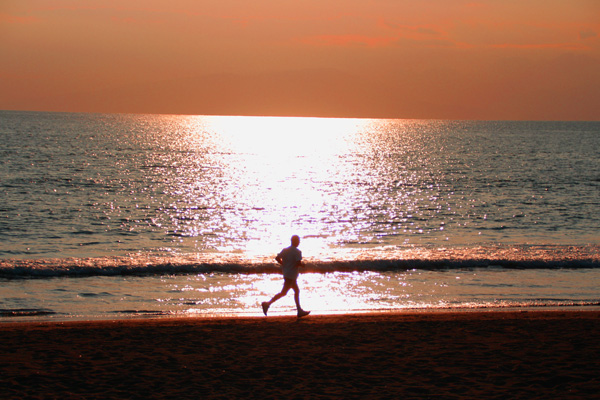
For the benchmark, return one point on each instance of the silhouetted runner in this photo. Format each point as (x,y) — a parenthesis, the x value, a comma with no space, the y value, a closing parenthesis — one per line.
(290,260)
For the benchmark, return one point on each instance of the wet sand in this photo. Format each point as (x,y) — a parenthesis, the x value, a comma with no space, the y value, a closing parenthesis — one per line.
(457,355)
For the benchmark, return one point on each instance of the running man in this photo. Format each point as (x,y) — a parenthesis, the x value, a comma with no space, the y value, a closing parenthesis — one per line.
(290,260)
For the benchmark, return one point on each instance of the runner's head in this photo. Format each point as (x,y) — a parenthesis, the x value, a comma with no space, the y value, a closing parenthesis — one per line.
(295,240)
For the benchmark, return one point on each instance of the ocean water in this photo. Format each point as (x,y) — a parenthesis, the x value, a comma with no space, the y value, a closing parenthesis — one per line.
(112,216)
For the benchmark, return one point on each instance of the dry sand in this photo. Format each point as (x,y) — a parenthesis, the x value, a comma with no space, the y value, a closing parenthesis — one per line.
(473,355)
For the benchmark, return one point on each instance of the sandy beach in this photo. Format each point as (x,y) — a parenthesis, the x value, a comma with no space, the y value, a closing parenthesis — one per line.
(460,355)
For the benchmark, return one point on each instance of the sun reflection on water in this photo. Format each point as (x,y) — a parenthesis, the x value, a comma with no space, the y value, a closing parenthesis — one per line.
(275,170)
(244,185)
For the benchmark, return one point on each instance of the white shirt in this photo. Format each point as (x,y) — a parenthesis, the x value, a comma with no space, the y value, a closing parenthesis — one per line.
(290,256)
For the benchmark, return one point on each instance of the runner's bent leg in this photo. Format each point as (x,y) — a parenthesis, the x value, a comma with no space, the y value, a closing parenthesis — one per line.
(284,290)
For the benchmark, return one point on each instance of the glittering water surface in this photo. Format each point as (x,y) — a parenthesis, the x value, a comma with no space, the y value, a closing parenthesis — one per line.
(336,292)
(119,190)
(94,185)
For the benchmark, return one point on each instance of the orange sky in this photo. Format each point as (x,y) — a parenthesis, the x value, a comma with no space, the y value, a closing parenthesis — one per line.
(502,59)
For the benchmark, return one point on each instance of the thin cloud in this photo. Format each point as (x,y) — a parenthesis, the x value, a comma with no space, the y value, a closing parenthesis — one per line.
(427,31)
(16,19)
(348,40)
(587,34)
(564,46)
(397,35)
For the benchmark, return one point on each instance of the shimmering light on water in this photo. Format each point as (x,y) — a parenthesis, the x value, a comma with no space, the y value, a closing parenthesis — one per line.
(279,169)
(110,194)
(111,185)
(338,292)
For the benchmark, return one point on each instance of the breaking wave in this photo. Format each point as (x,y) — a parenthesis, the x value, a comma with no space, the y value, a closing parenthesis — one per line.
(525,257)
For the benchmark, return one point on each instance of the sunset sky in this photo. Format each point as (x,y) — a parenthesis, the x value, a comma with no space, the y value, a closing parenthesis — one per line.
(449,59)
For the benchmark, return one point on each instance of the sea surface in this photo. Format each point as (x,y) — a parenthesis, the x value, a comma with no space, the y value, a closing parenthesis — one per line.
(118,216)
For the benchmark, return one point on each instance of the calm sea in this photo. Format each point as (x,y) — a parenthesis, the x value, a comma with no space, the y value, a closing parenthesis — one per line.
(111,216)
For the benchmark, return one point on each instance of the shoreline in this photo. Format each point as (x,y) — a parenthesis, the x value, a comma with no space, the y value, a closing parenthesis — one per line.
(483,354)
(60,320)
